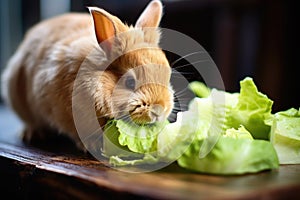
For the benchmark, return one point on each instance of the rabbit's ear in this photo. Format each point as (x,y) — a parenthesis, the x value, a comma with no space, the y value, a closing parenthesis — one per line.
(151,16)
(106,27)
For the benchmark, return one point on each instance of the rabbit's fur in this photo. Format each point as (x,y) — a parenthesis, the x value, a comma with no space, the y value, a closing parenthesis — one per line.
(38,82)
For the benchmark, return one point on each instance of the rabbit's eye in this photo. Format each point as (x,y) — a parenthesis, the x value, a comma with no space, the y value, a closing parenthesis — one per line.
(130,82)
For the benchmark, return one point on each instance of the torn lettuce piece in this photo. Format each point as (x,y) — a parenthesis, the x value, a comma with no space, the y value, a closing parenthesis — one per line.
(177,136)
(111,145)
(223,144)
(251,111)
(139,138)
(130,144)
(120,155)
(127,144)
(218,127)
(199,89)
(241,132)
(249,107)
(231,156)
(160,142)
(212,118)
(118,161)
(285,135)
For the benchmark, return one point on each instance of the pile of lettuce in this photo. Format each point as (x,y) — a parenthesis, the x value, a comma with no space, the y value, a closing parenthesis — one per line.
(220,133)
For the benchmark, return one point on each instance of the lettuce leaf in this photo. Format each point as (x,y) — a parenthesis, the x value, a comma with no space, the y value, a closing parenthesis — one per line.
(111,145)
(285,135)
(251,111)
(139,138)
(241,132)
(212,117)
(169,144)
(126,137)
(227,149)
(217,134)
(131,144)
(231,156)
(120,161)
(199,89)
(176,137)
(249,108)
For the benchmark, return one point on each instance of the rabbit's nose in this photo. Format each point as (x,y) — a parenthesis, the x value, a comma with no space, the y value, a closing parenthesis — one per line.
(157,110)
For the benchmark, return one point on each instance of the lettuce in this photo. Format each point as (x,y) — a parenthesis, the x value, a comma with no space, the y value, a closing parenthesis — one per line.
(220,133)
(249,108)
(241,132)
(285,135)
(176,137)
(199,89)
(139,138)
(251,111)
(212,120)
(120,162)
(130,144)
(231,156)
(219,147)
(111,145)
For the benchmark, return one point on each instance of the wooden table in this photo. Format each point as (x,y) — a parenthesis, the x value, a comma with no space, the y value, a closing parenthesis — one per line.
(56,170)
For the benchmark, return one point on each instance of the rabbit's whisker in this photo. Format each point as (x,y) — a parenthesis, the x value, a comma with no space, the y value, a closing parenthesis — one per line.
(181,66)
(177,73)
(190,54)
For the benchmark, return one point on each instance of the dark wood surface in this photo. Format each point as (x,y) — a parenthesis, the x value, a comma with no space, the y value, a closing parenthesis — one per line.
(56,170)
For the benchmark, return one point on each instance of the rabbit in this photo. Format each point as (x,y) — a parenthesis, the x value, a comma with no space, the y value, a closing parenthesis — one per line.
(38,82)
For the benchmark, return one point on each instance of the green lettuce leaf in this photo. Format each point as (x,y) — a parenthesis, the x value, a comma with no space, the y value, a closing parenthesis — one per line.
(176,137)
(212,117)
(285,135)
(249,108)
(118,161)
(251,111)
(199,89)
(219,147)
(139,138)
(216,135)
(111,145)
(131,144)
(241,132)
(231,156)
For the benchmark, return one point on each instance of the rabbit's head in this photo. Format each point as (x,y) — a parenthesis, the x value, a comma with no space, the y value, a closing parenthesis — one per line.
(137,81)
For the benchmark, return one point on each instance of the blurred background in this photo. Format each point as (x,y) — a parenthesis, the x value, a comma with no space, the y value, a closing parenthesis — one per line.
(254,38)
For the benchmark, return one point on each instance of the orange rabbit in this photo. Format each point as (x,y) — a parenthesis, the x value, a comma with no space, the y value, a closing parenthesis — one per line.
(39,80)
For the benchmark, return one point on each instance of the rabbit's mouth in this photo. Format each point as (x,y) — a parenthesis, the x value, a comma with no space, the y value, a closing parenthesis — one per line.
(148,114)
